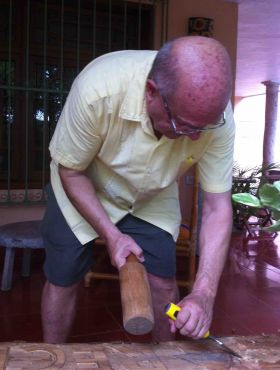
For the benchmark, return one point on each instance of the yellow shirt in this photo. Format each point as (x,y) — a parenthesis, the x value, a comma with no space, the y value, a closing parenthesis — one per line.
(104,128)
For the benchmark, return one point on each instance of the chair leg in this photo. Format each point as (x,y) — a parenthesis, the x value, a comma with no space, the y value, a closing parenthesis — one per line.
(26,262)
(7,275)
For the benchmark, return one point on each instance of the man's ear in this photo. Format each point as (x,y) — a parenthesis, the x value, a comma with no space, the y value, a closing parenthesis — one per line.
(151,90)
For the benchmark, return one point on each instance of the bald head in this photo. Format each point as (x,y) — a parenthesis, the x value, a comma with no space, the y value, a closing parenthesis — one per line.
(194,72)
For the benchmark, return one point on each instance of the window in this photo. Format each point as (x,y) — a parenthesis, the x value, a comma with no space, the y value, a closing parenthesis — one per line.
(43,46)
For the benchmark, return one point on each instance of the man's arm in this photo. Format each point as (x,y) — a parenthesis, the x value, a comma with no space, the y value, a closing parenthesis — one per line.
(81,193)
(197,308)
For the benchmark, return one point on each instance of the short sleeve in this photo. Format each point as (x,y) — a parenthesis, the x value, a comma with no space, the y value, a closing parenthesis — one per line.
(76,139)
(215,166)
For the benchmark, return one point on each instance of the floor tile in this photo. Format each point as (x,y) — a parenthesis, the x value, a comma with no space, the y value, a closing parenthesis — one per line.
(260,321)
(110,336)
(269,298)
(248,299)
(21,327)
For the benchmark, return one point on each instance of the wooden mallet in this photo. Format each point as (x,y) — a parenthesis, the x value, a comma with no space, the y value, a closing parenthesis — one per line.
(138,315)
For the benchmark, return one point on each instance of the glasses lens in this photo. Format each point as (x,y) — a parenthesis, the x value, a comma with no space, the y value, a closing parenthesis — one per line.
(187,131)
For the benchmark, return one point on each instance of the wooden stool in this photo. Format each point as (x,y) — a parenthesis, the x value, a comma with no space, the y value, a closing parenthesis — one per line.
(18,235)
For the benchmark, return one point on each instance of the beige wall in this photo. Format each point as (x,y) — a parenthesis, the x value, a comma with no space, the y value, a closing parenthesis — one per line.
(21,212)
(225,17)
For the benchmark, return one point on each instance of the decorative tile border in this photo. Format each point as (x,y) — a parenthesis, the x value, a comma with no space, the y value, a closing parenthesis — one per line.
(21,195)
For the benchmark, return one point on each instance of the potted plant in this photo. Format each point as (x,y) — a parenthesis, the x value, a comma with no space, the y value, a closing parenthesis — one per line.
(267,198)
(248,181)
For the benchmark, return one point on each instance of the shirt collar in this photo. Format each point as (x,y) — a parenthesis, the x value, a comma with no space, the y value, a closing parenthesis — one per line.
(134,106)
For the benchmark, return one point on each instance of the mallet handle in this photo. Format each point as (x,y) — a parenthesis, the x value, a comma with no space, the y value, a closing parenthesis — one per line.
(138,316)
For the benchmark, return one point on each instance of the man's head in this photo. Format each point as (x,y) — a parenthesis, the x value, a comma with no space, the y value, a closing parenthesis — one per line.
(189,84)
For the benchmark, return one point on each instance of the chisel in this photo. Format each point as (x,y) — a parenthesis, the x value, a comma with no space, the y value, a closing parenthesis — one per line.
(171,310)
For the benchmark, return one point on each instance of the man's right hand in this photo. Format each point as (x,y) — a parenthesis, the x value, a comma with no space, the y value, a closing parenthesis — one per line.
(87,203)
(121,247)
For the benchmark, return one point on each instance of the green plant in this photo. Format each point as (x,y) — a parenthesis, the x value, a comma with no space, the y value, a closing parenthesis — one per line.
(248,180)
(268,197)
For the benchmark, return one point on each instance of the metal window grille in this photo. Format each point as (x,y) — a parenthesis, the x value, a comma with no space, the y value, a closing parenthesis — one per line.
(43,45)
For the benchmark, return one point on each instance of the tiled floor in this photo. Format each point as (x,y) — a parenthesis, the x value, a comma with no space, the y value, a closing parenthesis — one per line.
(248,300)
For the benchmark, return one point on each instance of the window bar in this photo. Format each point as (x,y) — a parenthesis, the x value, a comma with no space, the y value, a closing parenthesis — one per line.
(110,27)
(78,35)
(165,26)
(164,21)
(94,29)
(27,102)
(139,23)
(45,96)
(9,102)
(61,53)
(125,25)
(35,89)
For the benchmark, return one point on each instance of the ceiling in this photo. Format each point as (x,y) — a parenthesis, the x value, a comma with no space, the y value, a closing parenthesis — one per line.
(258,45)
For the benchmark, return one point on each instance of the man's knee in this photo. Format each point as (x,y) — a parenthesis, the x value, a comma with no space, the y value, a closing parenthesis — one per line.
(163,289)
(59,292)
(157,282)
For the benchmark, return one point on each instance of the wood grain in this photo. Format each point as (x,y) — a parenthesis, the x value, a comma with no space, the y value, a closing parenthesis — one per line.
(138,316)
(258,353)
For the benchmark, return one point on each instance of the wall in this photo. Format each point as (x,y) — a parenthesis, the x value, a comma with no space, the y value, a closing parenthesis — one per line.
(21,212)
(225,17)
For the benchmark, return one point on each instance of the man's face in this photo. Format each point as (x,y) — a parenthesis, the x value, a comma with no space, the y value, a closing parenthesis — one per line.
(175,121)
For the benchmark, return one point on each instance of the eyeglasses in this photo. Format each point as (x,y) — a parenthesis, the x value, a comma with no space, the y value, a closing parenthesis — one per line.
(190,129)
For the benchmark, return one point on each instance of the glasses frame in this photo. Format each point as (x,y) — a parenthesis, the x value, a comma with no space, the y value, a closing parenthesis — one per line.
(191,130)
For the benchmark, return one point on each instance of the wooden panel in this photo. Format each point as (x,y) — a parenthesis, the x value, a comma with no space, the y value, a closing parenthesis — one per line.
(258,352)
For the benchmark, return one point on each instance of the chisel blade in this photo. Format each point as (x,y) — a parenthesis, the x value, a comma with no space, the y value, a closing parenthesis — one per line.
(223,346)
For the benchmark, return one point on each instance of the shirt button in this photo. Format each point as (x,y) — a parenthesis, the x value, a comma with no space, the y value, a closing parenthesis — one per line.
(130,208)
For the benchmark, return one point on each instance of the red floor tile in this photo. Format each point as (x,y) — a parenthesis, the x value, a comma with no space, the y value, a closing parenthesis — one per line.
(110,336)
(95,320)
(260,321)
(248,299)
(270,297)
(225,325)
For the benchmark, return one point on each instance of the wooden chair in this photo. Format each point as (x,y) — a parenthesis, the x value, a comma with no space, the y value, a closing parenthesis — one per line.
(185,247)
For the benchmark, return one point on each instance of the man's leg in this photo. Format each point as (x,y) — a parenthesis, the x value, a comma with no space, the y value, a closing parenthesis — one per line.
(164,291)
(160,262)
(66,263)
(58,310)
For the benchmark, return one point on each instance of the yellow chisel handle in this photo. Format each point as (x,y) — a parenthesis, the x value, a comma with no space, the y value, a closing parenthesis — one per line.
(171,310)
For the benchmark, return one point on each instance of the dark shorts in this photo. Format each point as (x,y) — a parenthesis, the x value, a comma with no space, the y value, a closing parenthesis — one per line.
(67,260)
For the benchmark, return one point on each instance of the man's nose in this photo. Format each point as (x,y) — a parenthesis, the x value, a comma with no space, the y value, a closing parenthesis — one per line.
(194,136)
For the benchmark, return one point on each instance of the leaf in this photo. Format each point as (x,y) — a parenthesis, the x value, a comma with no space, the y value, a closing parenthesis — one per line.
(247,199)
(270,195)
(273,228)
(277,184)
(275,215)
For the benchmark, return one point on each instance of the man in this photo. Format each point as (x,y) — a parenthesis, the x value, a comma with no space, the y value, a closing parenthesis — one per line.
(132,123)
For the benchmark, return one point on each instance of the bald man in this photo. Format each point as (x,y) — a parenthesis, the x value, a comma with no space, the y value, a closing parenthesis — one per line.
(133,122)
